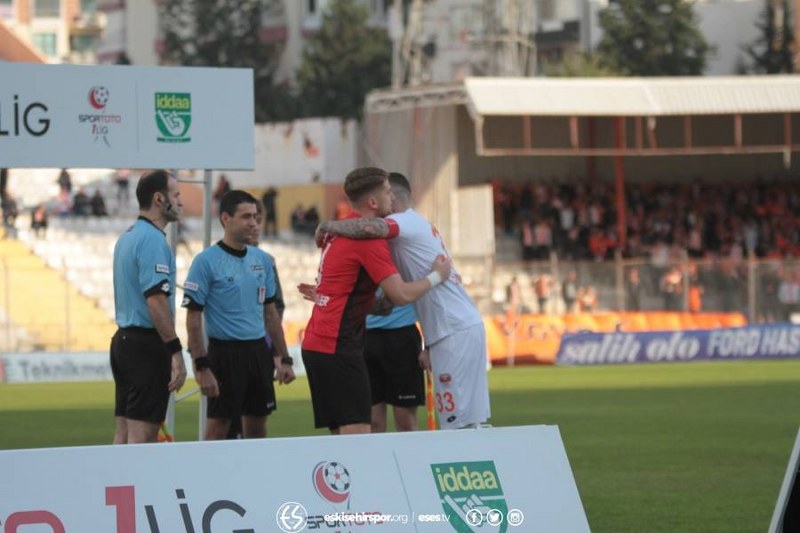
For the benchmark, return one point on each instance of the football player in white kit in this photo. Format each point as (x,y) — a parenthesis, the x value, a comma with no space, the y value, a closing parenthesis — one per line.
(451,324)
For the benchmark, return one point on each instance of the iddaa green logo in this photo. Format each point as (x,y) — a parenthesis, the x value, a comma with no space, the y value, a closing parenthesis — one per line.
(173,117)
(471,495)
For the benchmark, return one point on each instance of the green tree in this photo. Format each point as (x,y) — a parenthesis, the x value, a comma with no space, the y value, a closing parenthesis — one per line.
(773,51)
(580,65)
(652,38)
(343,61)
(226,33)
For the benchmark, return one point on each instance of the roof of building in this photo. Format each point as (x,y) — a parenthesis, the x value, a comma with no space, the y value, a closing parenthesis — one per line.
(633,96)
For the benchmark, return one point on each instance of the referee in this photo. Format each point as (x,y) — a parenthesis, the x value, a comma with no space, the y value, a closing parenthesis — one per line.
(232,285)
(146,355)
(393,354)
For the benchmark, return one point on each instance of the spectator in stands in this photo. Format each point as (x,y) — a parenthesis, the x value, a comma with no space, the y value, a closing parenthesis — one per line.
(98,204)
(122,178)
(633,291)
(311,219)
(671,287)
(587,299)
(81,204)
(569,291)
(514,296)
(39,220)
(298,218)
(542,289)
(3,182)
(268,201)
(223,186)
(64,181)
(10,213)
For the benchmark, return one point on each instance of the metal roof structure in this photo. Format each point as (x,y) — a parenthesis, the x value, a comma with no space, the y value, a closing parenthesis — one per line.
(633,96)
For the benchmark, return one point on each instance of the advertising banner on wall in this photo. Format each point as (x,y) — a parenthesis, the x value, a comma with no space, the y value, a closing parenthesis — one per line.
(499,479)
(773,341)
(126,117)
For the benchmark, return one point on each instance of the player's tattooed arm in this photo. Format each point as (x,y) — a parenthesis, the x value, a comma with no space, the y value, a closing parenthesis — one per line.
(357,228)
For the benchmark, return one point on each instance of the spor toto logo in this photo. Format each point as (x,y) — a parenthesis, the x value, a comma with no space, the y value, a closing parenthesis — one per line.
(98,97)
(332,481)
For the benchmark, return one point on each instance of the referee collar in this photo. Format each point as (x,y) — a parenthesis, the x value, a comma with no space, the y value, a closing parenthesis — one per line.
(152,224)
(232,251)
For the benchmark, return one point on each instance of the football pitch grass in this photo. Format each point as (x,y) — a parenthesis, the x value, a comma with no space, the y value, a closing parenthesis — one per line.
(654,448)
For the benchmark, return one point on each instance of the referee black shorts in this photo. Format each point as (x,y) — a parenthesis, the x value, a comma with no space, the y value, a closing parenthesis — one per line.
(339,387)
(392,358)
(142,371)
(244,372)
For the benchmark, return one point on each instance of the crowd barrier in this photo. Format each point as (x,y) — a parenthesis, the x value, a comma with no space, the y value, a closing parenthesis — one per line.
(535,338)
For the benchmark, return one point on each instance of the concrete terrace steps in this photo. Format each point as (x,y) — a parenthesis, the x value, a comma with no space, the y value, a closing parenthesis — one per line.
(53,313)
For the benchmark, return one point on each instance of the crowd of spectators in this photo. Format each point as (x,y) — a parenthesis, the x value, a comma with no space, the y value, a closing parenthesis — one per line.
(579,221)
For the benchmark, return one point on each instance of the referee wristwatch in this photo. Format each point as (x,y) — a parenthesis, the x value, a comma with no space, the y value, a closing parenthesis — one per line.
(287,360)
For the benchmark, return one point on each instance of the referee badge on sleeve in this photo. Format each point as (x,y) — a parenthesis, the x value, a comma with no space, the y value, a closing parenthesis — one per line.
(262,294)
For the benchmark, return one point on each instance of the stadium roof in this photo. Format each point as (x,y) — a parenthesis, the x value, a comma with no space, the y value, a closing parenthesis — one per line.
(633,96)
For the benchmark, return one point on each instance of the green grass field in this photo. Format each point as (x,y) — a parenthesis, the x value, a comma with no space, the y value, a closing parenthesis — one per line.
(654,448)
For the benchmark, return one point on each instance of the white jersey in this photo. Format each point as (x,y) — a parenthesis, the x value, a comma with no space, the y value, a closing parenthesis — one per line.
(445,309)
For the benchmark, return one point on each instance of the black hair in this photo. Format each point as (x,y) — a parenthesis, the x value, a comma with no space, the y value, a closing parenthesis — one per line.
(149,184)
(398,180)
(230,201)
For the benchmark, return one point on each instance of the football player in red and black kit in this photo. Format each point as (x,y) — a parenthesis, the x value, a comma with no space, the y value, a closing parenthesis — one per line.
(349,273)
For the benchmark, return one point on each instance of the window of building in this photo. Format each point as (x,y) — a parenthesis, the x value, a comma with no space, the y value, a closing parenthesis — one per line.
(46,8)
(547,10)
(6,9)
(311,7)
(88,6)
(83,43)
(45,43)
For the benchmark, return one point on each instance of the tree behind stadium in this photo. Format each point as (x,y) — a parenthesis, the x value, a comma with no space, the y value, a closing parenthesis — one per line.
(226,33)
(653,38)
(343,61)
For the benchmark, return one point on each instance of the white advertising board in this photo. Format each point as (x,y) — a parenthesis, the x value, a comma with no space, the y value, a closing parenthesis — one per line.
(125,117)
(501,479)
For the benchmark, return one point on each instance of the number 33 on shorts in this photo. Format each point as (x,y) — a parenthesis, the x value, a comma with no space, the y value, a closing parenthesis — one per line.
(445,402)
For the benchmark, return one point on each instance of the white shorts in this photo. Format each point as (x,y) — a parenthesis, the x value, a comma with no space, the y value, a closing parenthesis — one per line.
(459,373)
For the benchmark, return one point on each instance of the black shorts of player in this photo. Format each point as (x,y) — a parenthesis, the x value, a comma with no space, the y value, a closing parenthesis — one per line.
(142,371)
(339,389)
(244,372)
(392,357)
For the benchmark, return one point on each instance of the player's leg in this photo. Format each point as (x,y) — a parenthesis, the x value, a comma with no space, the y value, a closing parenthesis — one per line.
(378,420)
(254,427)
(120,430)
(374,354)
(405,418)
(459,369)
(405,380)
(140,431)
(217,428)
(225,362)
(259,395)
(142,372)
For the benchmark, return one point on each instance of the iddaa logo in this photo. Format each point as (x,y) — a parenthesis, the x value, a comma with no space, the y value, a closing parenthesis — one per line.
(173,114)
(471,495)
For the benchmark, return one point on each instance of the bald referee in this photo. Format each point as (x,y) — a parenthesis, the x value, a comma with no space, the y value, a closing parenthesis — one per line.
(146,355)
